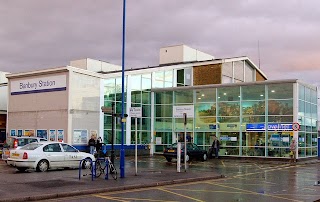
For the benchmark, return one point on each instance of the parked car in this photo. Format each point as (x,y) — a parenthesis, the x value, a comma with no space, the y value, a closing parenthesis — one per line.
(42,156)
(193,152)
(13,143)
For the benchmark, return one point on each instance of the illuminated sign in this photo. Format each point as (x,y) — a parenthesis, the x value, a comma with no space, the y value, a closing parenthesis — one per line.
(271,127)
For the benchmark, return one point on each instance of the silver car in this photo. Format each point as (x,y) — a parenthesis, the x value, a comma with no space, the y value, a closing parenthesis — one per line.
(42,156)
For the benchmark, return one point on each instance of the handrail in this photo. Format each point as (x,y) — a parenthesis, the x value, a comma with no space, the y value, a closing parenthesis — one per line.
(92,168)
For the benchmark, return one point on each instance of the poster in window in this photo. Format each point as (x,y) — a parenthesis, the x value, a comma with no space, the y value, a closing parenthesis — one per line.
(12,132)
(80,136)
(20,132)
(60,135)
(29,132)
(42,133)
(52,134)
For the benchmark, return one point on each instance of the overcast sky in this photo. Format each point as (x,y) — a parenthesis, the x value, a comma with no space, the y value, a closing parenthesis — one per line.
(39,34)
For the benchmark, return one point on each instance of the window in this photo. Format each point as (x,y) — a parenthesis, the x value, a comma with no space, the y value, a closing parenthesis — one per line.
(280,91)
(52,148)
(68,148)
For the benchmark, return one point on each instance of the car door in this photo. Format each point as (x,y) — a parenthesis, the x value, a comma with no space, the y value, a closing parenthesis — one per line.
(54,154)
(196,151)
(71,156)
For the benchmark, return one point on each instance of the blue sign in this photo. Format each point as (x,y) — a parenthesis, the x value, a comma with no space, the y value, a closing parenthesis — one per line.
(255,127)
(279,126)
(224,138)
(212,126)
(271,127)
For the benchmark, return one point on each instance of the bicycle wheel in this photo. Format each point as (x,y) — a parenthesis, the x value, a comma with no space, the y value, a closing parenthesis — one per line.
(112,171)
(98,168)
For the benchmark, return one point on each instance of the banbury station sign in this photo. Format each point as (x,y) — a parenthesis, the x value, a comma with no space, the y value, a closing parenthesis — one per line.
(38,85)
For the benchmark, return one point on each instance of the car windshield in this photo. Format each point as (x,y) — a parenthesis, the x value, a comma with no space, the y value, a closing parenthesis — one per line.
(32,146)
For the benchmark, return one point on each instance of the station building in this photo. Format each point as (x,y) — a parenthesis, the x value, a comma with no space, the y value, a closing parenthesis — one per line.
(3,105)
(227,97)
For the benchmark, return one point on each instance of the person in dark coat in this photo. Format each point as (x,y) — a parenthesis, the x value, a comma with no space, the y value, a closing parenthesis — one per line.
(99,144)
(215,146)
(92,144)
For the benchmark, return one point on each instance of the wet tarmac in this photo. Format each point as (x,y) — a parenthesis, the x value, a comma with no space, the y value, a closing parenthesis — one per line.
(243,180)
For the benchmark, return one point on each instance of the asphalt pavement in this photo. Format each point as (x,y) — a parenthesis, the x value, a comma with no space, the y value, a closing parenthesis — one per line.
(152,171)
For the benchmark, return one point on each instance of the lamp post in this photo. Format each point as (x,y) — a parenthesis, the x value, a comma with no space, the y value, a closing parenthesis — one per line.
(112,133)
(122,153)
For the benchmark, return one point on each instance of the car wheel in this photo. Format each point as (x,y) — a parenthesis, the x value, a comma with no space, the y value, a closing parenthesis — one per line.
(22,169)
(204,157)
(169,159)
(86,164)
(42,166)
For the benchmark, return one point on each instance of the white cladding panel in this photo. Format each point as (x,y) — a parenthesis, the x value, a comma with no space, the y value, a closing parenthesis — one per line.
(84,106)
(3,98)
(95,65)
(172,54)
(190,54)
(182,53)
(3,78)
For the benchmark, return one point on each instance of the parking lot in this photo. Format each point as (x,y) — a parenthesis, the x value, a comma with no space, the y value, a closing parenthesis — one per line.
(244,181)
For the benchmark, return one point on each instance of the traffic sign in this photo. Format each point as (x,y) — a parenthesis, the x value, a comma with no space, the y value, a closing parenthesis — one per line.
(295,126)
(136,111)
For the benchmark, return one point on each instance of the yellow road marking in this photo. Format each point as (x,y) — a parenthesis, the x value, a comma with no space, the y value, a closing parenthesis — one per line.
(180,195)
(130,199)
(107,197)
(211,191)
(258,166)
(277,168)
(223,164)
(255,193)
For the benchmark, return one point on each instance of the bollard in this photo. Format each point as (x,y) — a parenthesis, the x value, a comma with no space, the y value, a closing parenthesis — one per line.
(106,170)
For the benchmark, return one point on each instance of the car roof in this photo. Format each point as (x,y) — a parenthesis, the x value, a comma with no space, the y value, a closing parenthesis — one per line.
(26,137)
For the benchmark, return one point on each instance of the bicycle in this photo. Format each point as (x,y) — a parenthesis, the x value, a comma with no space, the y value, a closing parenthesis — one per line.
(100,168)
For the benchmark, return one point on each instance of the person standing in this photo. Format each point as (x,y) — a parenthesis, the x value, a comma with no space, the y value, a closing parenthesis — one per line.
(98,145)
(92,144)
(293,147)
(216,146)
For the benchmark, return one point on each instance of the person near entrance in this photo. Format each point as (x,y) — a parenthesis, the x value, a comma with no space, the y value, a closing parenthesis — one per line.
(215,147)
(92,144)
(293,147)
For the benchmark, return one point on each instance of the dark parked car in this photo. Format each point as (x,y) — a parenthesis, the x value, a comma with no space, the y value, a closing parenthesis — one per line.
(193,152)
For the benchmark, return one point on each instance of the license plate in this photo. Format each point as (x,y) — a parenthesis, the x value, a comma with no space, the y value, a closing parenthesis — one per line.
(171,150)
(15,155)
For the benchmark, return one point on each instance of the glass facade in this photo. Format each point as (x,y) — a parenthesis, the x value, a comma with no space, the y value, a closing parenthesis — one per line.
(249,119)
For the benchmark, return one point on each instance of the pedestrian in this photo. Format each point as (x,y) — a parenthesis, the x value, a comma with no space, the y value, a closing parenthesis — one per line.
(293,147)
(98,145)
(216,146)
(92,144)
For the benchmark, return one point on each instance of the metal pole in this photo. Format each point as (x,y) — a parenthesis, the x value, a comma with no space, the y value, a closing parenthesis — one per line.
(185,141)
(136,146)
(178,156)
(112,132)
(122,153)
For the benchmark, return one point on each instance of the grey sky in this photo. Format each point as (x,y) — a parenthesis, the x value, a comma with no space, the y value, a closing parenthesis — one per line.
(37,34)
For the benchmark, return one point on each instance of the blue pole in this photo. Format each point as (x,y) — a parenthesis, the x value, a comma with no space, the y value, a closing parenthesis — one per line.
(122,153)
